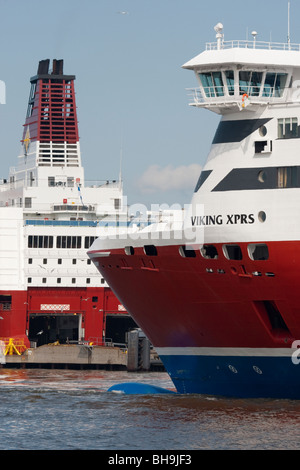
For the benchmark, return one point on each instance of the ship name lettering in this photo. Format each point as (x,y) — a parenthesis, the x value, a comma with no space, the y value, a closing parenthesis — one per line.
(240,219)
(207,220)
(233,219)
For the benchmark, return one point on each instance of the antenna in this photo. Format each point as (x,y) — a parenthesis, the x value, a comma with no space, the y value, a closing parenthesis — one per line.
(218,29)
(288,37)
(121,158)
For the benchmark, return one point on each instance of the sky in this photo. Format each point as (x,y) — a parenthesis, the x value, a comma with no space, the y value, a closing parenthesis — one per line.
(131,95)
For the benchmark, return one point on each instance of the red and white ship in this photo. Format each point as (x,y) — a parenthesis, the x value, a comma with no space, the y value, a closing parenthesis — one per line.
(221,302)
(48,219)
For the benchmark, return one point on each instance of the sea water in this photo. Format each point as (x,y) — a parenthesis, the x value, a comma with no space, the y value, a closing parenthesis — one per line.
(43,409)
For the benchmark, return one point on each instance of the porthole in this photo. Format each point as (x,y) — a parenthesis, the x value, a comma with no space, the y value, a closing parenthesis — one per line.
(129,250)
(232,252)
(150,250)
(187,251)
(262,131)
(262,176)
(262,216)
(209,252)
(258,251)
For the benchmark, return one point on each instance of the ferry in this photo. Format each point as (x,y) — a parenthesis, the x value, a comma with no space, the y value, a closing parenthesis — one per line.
(49,216)
(218,296)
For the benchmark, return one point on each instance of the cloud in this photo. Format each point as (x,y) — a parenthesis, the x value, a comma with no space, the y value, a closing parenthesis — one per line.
(168,178)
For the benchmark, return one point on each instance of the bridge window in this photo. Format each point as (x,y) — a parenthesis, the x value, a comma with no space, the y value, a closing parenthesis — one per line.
(229,74)
(250,82)
(212,83)
(274,84)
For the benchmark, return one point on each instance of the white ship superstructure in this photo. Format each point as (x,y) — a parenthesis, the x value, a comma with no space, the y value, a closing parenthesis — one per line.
(49,216)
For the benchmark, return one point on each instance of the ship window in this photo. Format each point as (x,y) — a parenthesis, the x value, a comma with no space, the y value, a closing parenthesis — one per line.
(51,181)
(232,252)
(117,203)
(88,280)
(250,82)
(5,302)
(44,280)
(287,128)
(287,177)
(40,241)
(262,131)
(88,241)
(209,252)
(27,202)
(129,250)
(262,176)
(229,74)
(187,251)
(261,146)
(68,242)
(58,280)
(262,216)
(258,251)
(70,181)
(150,250)
(212,83)
(274,84)
(73,280)
(102,281)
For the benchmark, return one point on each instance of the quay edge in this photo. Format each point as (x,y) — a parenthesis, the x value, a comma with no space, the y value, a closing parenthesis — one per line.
(77,356)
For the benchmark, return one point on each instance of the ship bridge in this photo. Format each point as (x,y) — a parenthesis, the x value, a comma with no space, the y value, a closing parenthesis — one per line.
(241,74)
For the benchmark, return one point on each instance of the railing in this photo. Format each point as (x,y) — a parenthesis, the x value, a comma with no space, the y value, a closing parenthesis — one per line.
(245,44)
(13,346)
(216,94)
(97,341)
(73,207)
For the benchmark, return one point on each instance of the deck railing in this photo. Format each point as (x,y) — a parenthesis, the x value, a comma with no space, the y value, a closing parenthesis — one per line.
(247,44)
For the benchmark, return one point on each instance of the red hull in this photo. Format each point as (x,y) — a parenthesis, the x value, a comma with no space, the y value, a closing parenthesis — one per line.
(200,302)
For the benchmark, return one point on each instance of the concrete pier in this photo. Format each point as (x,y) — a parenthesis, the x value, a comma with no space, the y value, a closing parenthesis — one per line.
(70,356)
(77,356)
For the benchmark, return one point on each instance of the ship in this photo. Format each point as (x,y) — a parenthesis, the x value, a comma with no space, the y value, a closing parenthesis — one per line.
(50,292)
(219,297)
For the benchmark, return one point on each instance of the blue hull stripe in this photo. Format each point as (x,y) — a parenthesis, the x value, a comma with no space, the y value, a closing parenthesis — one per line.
(235,376)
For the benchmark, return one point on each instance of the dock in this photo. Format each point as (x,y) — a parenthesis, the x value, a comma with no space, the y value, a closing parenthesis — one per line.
(81,356)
